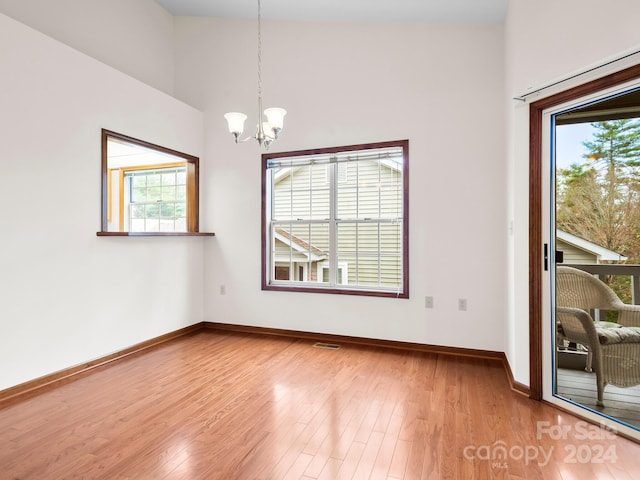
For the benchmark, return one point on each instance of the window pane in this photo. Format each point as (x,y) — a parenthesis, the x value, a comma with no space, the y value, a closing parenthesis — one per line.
(152,210)
(300,248)
(368,271)
(152,225)
(168,178)
(157,202)
(181,224)
(301,204)
(139,194)
(347,201)
(181,210)
(166,225)
(391,254)
(391,201)
(282,272)
(320,202)
(137,211)
(301,193)
(372,252)
(168,194)
(373,190)
(282,205)
(391,271)
(167,210)
(391,238)
(153,194)
(347,237)
(368,201)
(320,193)
(367,238)
(153,180)
(347,250)
(139,181)
(363,226)
(343,173)
(137,225)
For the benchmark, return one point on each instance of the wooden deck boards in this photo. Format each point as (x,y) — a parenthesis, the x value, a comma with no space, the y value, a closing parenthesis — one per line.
(580,387)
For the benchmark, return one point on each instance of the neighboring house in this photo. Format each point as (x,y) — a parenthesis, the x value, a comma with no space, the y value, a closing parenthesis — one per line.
(577,250)
(295,258)
(368,253)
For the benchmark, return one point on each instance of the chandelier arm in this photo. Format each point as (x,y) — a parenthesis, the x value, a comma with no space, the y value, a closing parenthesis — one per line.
(265,138)
(244,140)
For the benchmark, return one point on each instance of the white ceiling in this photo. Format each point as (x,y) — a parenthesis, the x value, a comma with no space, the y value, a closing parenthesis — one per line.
(430,11)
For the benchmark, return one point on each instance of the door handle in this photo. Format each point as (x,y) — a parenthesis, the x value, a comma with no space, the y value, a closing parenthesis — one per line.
(546,257)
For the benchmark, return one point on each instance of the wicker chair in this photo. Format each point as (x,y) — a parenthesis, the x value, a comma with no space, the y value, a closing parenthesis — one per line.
(613,348)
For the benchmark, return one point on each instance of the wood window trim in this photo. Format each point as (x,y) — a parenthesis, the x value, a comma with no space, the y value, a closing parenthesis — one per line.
(193,195)
(536,111)
(155,234)
(308,288)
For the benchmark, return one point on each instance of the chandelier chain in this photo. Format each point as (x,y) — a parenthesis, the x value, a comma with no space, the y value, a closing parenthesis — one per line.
(259,53)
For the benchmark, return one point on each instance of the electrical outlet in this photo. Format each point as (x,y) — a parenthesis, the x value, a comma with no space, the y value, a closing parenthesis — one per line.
(223,290)
(462,304)
(428,302)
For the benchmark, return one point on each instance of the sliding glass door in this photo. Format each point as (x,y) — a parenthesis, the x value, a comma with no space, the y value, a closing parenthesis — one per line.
(591,248)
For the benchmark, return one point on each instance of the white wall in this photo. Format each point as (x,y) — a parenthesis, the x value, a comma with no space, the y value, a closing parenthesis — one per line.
(438,86)
(134,36)
(446,88)
(545,41)
(67,296)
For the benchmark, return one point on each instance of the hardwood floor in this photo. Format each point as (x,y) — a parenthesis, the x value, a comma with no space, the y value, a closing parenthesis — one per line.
(221,405)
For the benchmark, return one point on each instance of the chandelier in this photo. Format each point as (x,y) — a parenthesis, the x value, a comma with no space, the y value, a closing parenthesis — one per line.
(267,131)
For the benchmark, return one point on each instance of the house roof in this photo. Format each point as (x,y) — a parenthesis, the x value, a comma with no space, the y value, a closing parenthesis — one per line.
(600,252)
(300,245)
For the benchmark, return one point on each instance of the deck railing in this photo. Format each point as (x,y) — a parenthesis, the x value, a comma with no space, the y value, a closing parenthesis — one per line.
(628,270)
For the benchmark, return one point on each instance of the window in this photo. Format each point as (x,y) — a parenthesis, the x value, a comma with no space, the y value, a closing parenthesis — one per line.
(155,198)
(147,189)
(335,220)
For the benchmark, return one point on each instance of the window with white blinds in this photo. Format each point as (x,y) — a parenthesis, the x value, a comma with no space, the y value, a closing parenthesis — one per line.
(336,220)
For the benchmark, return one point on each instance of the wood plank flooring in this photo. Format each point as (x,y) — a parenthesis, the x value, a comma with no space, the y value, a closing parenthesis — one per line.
(620,403)
(220,405)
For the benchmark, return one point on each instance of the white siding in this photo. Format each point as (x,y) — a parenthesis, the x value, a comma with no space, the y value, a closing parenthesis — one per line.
(573,255)
(371,251)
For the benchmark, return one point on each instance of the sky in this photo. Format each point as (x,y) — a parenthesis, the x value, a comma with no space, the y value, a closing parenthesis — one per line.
(569,148)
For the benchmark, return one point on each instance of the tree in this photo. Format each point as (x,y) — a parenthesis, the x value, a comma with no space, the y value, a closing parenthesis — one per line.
(616,143)
(600,200)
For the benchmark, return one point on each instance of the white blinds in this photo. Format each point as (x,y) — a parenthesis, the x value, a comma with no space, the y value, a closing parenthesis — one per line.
(391,154)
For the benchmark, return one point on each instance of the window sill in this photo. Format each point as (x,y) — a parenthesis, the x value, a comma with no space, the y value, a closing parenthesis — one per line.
(333,290)
(155,234)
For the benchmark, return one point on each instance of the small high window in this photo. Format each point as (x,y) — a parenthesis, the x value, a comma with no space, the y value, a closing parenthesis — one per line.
(335,220)
(147,189)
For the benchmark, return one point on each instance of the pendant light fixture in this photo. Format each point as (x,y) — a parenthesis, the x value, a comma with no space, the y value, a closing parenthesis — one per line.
(267,131)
